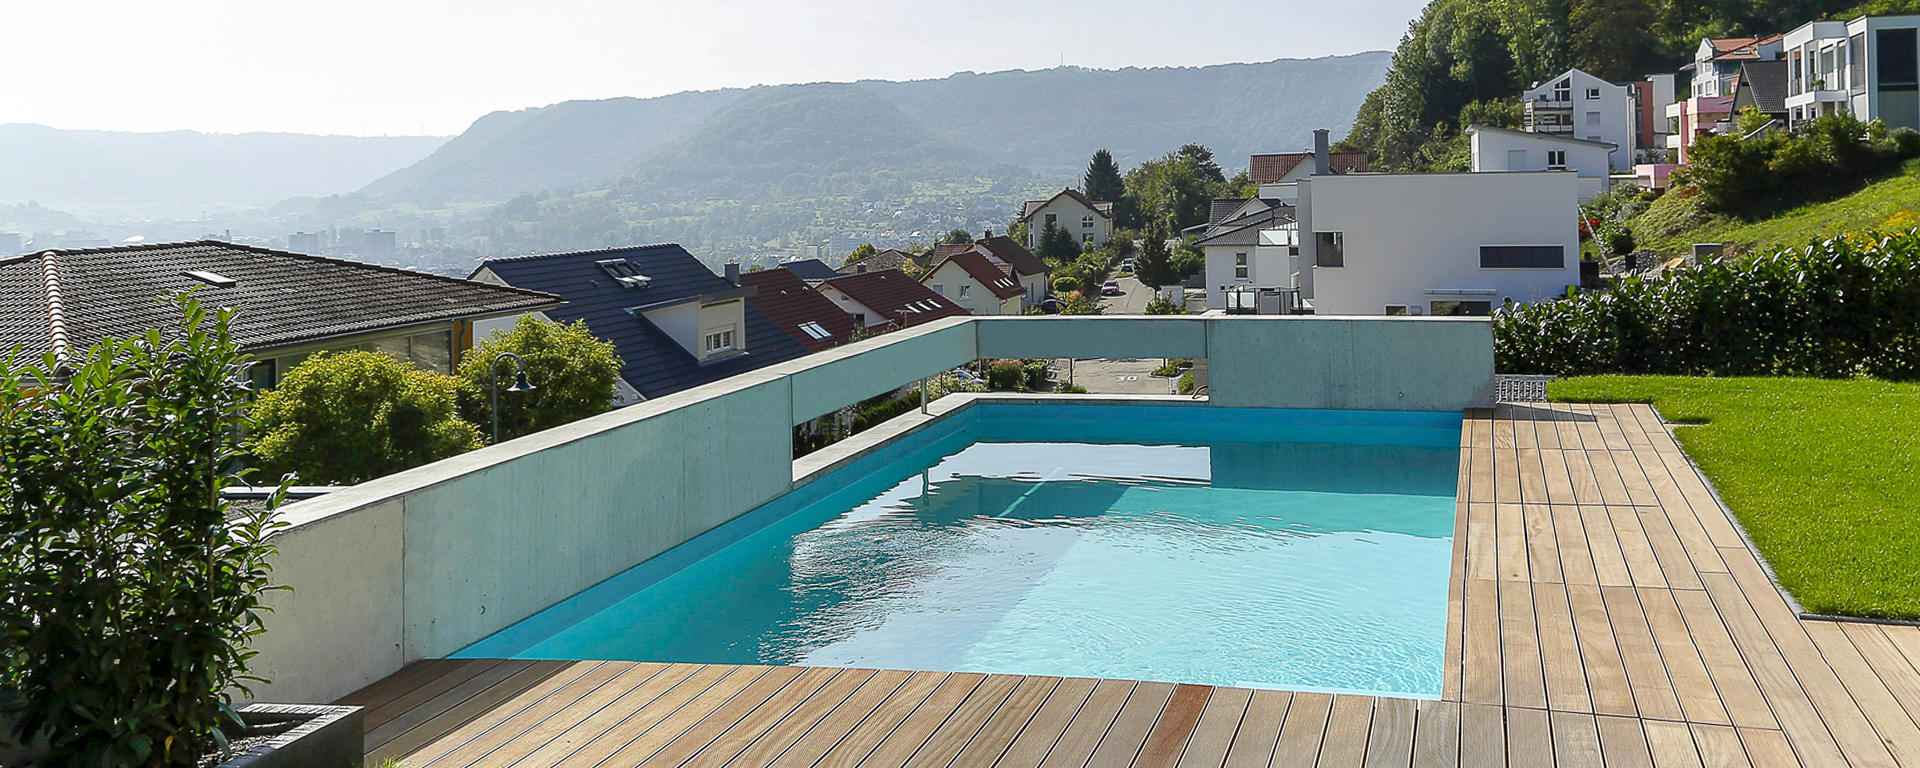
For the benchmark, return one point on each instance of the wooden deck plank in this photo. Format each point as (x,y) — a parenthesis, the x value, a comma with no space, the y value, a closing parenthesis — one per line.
(633,711)
(1031,745)
(1691,682)
(1300,738)
(1122,742)
(742,720)
(1613,487)
(1623,743)
(1769,749)
(1543,556)
(1390,742)
(1479,485)
(1671,744)
(1436,735)
(1719,746)
(1652,690)
(946,741)
(1483,736)
(1259,731)
(1345,742)
(1553,464)
(1530,738)
(1609,562)
(1008,721)
(859,710)
(1888,663)
(460,673)
(897,744)
(1791,706)
(1506,466)
(1481,677)
(1219,723)
(1882,709)
(636,685)
(503,724)
(448,711)
(1456,609)
(1733,680)
(696,724)
(761,749)
(410,678)
(1599,653)
(1168,739)
(1566,678)
(1667,548)
(1612,434)
(1511,543)
(1586,483)
(1576,741)
(1643,568)
(1634,474)
(1570,539)
(1483,549)
(1083,734)
(1524,683)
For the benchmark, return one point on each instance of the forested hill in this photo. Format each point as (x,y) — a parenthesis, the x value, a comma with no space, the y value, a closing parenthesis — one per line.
(1047,122)
(1466,61)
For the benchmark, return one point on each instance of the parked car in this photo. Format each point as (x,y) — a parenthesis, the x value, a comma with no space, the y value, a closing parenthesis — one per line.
(1111,288)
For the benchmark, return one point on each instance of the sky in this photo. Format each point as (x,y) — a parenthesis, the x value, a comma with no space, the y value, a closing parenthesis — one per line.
(431,67)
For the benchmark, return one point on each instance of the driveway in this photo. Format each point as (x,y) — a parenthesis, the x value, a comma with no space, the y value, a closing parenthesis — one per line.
(1133,302)
(1118,376)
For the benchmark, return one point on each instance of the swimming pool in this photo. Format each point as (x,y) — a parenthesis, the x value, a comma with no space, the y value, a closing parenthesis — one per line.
(1295,549)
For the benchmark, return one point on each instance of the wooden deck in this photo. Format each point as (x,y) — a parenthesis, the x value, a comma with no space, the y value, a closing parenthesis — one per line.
(1603,611)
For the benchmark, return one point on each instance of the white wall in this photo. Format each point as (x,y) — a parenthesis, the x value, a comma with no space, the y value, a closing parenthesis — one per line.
(1494,151)
(979,300)
(1408,234)
(1072,215)
(1613,111)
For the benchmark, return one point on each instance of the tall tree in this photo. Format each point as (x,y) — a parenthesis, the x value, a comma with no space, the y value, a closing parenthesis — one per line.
(1153,264)
(1102,180)
(958,236)
(1203,163)
(1611,38)
(1057,243)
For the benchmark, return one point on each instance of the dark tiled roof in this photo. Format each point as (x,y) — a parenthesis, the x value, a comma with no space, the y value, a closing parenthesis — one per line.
(786,300)
(284,298)
(1246,229)
(809,269)
(1764,85)
(1271,167)
(1013,254)
(655,364)
(890,291)
(1223,207)
(1104,208)
(888,259)
(984,272)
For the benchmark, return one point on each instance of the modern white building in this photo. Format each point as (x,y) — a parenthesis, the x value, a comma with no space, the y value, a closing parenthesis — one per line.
(1436,243)
(1578,105)
(1865,67)
(1714,73)
(1254,248)
(1501,150)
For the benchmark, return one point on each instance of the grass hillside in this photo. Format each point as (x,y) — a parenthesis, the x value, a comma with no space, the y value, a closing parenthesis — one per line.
(1674,222)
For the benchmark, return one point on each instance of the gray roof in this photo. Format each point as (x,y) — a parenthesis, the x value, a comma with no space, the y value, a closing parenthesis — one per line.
(283,298)
(1763,84)
(1246,229)
(1222,208)
(1542,136)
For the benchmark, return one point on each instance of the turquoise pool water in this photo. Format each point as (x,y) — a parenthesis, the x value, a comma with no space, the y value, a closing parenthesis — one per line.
(1296,549)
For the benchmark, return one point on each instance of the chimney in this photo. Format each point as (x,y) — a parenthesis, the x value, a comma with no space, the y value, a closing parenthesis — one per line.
(1321,165)
(733,272)
(986,234)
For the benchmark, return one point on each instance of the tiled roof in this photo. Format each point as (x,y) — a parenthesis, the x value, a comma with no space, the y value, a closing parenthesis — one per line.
(891,293)
(1739,48)
(1765,82)
(809,269)
(283,298)
(1102,207)
(890,258)
(786,300)
(1246,229)
(1271,167)
(1223,207)
(984,272)
(654,363)
(1010,252)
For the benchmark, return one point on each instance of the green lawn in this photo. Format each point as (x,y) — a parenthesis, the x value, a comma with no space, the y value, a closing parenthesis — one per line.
(1671,226)
(1824,475)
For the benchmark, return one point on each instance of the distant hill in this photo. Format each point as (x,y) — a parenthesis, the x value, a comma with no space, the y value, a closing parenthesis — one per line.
(1047,122)
(183,173)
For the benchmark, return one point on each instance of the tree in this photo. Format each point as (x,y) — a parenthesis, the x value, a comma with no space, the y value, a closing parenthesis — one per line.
(1153,264)
(1175,189)
(865,250)
(349,417)
(1057,243)
(572,371)
(129,586)
(958,236)
(1102,181)
(1203,163)
(1611,40)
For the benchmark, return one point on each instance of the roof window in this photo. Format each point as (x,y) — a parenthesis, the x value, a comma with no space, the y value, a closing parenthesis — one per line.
(211,278)
(816,330)
(624,271)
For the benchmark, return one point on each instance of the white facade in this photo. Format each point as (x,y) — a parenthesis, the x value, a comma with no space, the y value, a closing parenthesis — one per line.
(959,286)
(1501,150)
(1085,224)
(1863,67)
(1436,243)
(1265,258)
(1580,106)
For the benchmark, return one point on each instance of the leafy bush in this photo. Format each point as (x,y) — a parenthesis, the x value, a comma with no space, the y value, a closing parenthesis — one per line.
(1079,303)
(1162,305)
(1006,375)
(354,416)
(1753,176)
(573,373)
(1185,384)
(1035,374)
(1837,308)
(128,586)
(1172,367)
(886,408)
(1065,285)
(1070,389)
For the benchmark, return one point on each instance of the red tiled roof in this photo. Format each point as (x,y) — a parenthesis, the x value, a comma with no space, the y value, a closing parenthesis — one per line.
(1271,167)
(1101,207)
(890,258)
(1010,252)
(984,272)
(785,298)
(891,293)
(1739,48)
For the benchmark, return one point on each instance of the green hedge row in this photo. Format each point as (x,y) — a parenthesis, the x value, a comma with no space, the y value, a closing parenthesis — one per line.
(1838,308)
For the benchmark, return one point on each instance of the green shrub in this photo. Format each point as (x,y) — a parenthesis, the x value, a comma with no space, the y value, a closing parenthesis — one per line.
(1070,389)
(1185,384)
(1006,375)
(1837,308)
(572,371)
(1066,284)
(1035,373)
(1825,157)
(128,587)
(353,416)
(1162,305)
(1079,303)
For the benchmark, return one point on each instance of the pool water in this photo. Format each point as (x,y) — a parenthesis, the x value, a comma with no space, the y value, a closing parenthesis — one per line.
(1295,549)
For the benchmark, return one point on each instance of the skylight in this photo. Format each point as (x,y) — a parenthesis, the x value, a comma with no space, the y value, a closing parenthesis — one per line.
(211,278)
(624,271)
(816,330)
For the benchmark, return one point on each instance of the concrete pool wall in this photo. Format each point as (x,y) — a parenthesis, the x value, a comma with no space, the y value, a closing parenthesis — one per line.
(421,563)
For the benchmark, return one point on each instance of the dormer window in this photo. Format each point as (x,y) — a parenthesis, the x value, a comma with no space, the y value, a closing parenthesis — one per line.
(626,272)
(720,341)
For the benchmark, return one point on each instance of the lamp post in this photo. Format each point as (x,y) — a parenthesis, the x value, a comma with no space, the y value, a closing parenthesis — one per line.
(519,385)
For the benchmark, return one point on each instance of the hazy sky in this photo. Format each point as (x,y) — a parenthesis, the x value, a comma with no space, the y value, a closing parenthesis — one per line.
(371,67)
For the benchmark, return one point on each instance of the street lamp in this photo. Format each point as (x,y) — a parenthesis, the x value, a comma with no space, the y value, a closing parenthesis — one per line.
(519,385)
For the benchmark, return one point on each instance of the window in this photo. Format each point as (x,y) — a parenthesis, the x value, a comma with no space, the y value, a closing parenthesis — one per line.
(720,341)
(1474,308)
(1523,257)
(1053,220)
(1086,238)
(624,271)
(815,330)
(1240,266)
(1086,222)
(966,292)
(262,375)
(426,351)
(1556,159)
(1593,119)
(1897,63)
(1563,90)
(1857,61)
(1593,93)
(1331,250)
(939,289)
(1396,309)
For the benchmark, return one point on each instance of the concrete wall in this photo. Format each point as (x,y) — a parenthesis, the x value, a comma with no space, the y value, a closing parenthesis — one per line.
(422,563)
(1412,239)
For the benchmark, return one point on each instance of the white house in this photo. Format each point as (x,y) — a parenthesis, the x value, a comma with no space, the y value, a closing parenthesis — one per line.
(1436,243)
(1252,250)
(976,283)
(1865,67)
(1501,149)
(1581,106)
(1087,220)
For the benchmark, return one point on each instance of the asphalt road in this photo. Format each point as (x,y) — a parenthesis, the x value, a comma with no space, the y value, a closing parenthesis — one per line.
(1133,302)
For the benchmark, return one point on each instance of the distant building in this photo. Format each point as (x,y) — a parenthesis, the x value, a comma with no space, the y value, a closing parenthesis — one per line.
(378,245)
(1712,78)
(1762,87)
(804,313)
(304,242)
(976,283)
(894,258)
(1868,67)
(810,270)
(1089,222)
(1577,105)
(1499,149)
(888,299)
(1650,97)
(1284,167)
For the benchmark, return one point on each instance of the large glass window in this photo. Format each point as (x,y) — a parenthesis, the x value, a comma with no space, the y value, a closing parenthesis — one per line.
(1897,63)
(1458,308)
(1330,249)
(426,351)
(1523,257)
